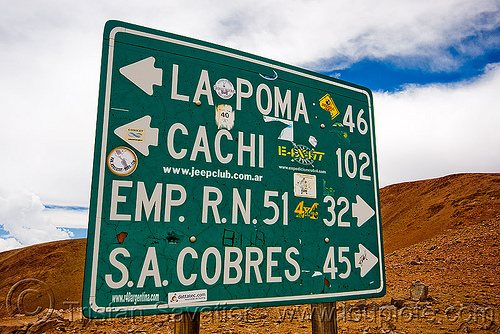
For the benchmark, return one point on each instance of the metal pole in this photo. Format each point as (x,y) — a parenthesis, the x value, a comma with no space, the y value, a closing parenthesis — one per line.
(189,323)
(324,318)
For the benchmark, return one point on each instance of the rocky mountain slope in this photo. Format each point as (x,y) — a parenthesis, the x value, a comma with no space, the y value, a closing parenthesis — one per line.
(416,211)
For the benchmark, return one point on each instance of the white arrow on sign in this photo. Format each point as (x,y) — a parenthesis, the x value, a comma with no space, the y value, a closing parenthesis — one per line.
(365,260)
(143,74)
(139,134)
(361,210)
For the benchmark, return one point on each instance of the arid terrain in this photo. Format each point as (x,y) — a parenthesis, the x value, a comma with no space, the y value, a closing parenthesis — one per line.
(444,233)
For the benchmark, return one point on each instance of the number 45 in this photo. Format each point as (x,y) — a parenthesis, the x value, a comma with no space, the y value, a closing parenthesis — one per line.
(329,265)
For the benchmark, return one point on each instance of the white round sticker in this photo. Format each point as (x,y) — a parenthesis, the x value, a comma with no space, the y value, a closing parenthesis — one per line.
(224,88)
(122,161)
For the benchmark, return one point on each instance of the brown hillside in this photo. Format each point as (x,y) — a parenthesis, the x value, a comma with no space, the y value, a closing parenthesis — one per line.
(444,232)
(417,211)
(58,264)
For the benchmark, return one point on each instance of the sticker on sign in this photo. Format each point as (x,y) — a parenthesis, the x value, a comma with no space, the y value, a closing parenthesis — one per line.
(177,298)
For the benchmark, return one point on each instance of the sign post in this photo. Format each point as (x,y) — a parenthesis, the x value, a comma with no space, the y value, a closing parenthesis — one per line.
(187,323)
(223,179)
(324,318)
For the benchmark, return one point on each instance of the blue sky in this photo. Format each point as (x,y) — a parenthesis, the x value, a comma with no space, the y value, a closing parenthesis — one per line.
(469,57)
(387,76)
(434,69)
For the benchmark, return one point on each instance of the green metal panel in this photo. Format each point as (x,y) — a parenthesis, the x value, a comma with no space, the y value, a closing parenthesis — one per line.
(222,179)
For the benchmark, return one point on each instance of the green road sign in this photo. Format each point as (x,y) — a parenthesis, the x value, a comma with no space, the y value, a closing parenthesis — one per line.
(222,179)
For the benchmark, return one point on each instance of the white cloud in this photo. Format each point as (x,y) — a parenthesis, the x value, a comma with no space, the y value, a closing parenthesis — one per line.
(328,35)
(68,217)
(21,215)
(9,243)
(413,34)
(434,130)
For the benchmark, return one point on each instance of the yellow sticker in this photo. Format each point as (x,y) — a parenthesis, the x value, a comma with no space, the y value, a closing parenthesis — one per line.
(304,211)
(326,102)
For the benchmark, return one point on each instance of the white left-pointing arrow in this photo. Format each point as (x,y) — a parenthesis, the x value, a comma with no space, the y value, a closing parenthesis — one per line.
(143,74)
(361,210)
(139,134)
(365,260)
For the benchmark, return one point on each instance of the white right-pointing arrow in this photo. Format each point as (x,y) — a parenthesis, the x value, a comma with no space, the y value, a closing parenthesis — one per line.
(361,210)
(365,260)
(143,74)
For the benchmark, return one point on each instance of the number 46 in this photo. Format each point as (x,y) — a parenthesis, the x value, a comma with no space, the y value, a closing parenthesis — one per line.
(361,124)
